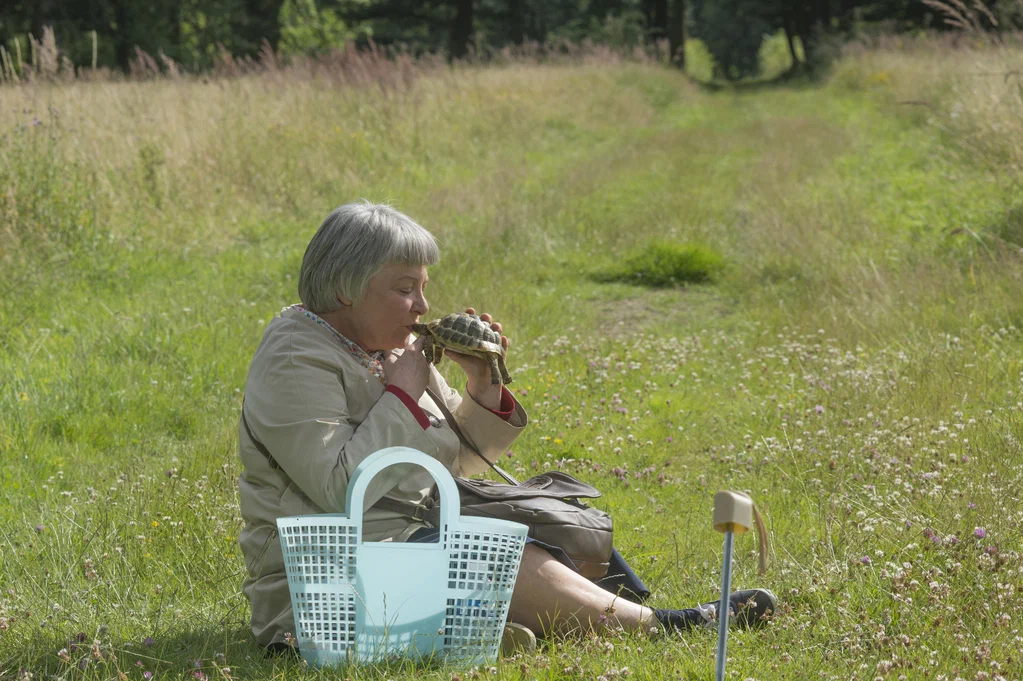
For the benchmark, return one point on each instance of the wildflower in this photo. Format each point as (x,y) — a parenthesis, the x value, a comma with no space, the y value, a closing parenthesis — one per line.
(64,655)
(865,560)
(220,658)
(148,641)
(819,409)
(952,540)
(40,527)
(979,533)
(147,675)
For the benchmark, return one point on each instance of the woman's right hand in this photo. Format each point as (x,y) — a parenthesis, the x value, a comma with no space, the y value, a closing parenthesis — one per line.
(409,371)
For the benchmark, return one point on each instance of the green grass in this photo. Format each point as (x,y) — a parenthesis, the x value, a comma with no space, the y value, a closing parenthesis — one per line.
(856,367)
(662,264)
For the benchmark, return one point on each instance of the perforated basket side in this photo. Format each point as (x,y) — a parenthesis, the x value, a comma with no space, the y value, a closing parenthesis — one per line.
(320,557)
(326,623)
(482,567)
(318,551)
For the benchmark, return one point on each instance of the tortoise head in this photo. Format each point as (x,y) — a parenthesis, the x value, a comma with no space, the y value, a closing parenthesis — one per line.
(420,328)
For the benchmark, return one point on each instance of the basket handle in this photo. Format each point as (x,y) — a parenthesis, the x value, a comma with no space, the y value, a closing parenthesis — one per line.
(373,464)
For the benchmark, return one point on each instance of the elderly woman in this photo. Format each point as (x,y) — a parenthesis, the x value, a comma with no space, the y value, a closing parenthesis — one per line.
(339,377)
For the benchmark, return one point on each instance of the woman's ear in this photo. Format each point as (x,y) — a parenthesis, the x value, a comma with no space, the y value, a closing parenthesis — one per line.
(344,300)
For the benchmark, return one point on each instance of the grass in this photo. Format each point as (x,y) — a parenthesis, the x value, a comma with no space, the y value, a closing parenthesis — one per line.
(661,264)
(856,367)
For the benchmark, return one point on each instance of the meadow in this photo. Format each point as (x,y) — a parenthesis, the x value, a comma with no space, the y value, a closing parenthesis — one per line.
(855,362)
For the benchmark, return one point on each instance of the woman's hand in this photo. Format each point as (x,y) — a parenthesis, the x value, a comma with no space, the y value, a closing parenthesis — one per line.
(409,371)
(477,370)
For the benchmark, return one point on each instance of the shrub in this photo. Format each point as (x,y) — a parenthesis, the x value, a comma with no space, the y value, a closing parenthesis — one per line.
(663,264)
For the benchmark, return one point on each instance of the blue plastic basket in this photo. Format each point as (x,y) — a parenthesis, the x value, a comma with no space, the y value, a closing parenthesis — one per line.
(368,602)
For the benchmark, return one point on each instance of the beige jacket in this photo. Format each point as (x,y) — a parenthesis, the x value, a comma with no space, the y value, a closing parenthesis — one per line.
(320,412)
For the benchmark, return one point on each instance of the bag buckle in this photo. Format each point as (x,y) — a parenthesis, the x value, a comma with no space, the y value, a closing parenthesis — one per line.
(422,511)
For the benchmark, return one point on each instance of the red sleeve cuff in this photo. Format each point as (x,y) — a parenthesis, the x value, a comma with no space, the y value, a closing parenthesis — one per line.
(416,410)
(507,405)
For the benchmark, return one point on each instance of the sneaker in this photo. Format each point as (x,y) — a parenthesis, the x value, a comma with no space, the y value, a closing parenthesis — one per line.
(517,638)
(754,608)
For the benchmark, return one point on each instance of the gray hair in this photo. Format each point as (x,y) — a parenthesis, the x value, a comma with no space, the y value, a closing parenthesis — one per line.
(356,241)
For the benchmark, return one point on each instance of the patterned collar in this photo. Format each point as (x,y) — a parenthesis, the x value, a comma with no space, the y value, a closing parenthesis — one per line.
(373,361)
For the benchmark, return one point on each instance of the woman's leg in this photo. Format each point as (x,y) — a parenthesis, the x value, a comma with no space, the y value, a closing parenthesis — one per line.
(550,597)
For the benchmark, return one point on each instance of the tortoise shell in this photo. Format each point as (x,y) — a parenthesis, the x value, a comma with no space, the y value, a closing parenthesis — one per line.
(466,333)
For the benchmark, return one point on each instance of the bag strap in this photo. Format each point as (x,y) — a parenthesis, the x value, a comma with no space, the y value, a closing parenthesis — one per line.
(427,511)
(461,438)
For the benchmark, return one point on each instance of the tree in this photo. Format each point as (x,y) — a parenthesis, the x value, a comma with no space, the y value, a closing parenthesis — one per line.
(677,34)
(306,29)
(733,31)
(461,29)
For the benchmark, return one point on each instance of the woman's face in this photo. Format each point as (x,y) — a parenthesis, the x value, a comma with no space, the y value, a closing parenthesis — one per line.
(394,300)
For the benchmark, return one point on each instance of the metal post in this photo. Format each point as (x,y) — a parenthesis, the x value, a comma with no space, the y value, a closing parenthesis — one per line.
(726,581)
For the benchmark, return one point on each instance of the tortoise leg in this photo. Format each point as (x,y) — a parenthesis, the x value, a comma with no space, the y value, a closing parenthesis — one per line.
(438,353)
(495,371)
(428,349)
(505,376)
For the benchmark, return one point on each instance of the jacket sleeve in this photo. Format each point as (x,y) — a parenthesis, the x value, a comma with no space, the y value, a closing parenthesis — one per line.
(490,433)
(297,408)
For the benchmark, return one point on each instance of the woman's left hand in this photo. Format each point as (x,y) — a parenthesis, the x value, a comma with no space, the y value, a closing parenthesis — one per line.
(477,370)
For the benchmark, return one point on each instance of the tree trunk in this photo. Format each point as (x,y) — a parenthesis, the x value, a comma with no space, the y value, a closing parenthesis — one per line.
(677,34)
(461,29)
(791,41)
(123,35)
(659,21)
(517,21)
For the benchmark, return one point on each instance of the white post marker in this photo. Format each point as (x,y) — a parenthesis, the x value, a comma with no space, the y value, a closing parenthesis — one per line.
(733,513)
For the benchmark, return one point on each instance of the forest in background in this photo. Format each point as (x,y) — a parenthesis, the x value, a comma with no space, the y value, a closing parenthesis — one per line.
(173,36)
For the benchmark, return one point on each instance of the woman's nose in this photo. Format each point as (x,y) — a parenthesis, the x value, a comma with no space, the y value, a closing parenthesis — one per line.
(420,306)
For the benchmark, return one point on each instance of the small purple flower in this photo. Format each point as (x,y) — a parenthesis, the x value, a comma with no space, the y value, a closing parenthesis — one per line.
(971,505)
(147,675)
(668,439)
(138,663)
(819,409)
(148,641)
(936,540)
(979,533)
(36,121)
(865,560)
(40,527)
(952,540)
(83,663)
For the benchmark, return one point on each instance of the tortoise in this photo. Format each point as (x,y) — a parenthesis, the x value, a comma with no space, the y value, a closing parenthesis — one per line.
(466,334)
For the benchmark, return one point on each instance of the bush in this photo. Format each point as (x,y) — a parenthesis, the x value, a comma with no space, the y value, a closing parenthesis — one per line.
(665,264)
